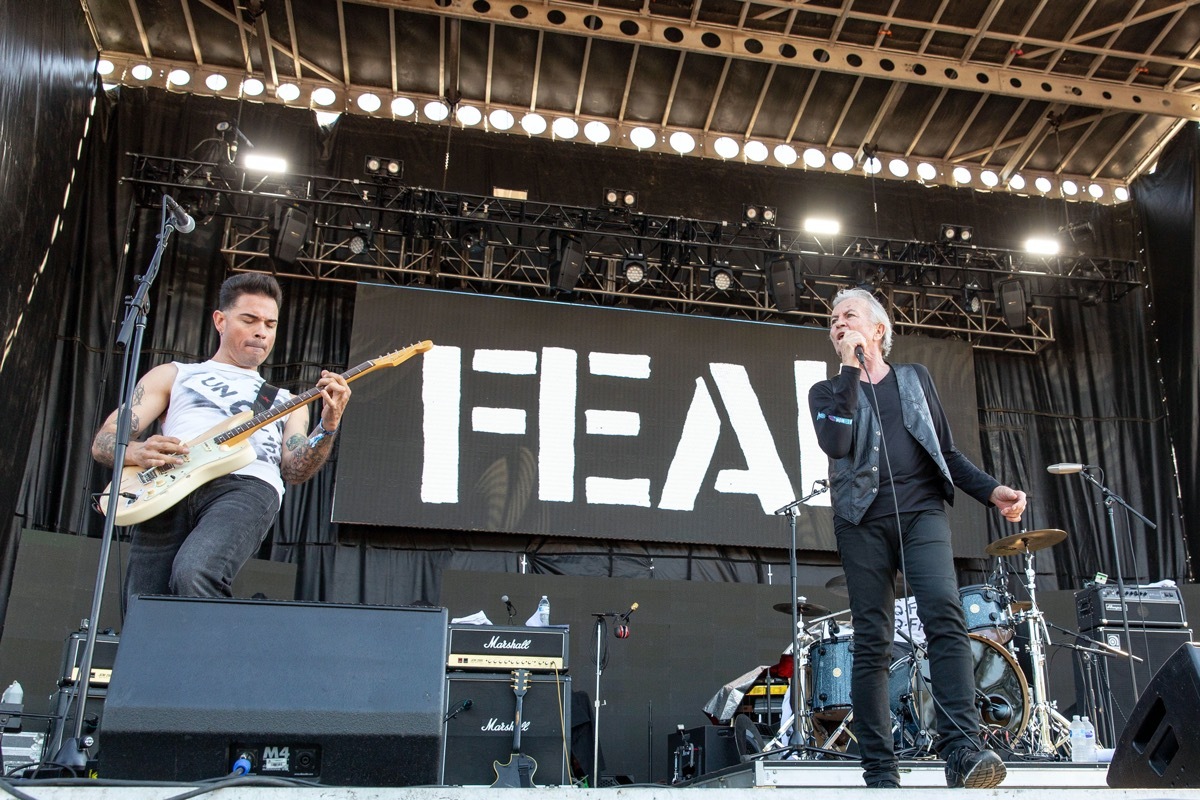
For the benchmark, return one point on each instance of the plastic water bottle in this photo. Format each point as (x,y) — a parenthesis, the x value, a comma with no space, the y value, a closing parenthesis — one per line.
(1078,745)
(544,610)
(1089,741)
(13,694)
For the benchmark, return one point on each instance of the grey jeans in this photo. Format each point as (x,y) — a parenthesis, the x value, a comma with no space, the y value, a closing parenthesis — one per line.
(197,548)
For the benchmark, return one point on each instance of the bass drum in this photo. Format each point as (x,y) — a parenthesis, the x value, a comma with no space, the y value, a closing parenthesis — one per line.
(998,678)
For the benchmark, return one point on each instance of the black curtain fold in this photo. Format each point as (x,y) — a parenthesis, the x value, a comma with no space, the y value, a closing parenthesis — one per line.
(1090,397)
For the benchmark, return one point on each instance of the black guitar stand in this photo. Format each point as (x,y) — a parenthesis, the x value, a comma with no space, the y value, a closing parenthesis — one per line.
(72,755)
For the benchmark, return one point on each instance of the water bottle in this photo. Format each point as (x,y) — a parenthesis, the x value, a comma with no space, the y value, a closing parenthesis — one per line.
(1089,741)
(544,610)
(14,694)
(1077,739)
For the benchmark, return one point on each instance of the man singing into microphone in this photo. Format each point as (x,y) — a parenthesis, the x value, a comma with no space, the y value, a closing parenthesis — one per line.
(878,504)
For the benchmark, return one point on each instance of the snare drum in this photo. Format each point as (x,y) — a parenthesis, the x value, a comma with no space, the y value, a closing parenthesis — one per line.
(986,613)
(832,662)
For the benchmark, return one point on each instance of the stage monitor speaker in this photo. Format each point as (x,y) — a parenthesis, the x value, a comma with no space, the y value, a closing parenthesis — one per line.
(782,274)
(481,734)
(290,234)
(344,695)
(1160,747)
(1010,296)
(1103,686)
(62,726)
(566,269)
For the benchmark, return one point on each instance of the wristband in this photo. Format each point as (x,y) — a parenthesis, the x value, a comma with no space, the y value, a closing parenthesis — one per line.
(319,433)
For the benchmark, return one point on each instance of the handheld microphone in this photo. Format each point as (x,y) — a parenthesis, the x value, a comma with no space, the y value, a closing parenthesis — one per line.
(1067,469)
(512,612)
(860,354)
(180,219)
(625,617)
(621,630)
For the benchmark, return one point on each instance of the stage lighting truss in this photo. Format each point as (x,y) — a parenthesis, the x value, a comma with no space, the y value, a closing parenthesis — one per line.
(507,246)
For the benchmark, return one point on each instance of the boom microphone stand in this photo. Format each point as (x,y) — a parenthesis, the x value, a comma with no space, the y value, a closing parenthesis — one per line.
(73,752)
(792,510)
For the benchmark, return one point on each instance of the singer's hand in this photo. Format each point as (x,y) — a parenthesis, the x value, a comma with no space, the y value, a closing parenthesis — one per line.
(1011,502)
(845,347)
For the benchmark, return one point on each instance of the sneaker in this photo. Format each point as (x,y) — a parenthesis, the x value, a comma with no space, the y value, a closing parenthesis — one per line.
(974,769)
(886,783)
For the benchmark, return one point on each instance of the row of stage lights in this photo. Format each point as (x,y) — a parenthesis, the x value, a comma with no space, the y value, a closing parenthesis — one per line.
(328,102)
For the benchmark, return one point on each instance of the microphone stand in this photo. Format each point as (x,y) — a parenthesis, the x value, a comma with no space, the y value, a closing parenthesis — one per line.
(1111,497)
(792,510)
(73,752)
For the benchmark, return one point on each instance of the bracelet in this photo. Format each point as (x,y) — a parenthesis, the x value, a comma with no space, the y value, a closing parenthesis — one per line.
(319,433)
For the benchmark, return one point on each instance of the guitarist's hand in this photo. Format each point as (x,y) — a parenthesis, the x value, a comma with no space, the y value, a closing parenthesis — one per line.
(335,393)
(157,451)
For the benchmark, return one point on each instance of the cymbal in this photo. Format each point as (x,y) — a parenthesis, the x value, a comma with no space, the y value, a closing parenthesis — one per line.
(803,609)
(1017,606)
(1027,541)
(837,585)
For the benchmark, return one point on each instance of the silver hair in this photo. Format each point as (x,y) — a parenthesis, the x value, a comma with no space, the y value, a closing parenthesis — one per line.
(878,312)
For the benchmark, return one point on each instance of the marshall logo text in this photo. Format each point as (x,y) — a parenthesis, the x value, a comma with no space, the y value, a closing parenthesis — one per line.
(495,725)
(496,643)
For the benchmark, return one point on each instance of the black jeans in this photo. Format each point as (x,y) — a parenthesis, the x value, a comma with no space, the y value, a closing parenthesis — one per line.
(871,556)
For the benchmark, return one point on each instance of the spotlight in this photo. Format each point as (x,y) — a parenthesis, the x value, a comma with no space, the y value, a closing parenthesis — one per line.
(1042,246)
(782,275)
(818,226)
(620,198)
(759,215)
(956,234)
(720,276)
(360,242)
(382,167)
(971,299)
(634,268)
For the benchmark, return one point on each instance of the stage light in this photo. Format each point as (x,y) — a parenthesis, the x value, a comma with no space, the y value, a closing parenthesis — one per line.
(1043,184)
(142,72)
(468,115)
(898,167)
(814,158)
(822,227)
(1121,194)
(502,119)
(383,167)
(324,96)
(596,132)
(634,268)
(1017,182)
(971,297)
(682,142)
(726,147)
(872,165)
(786,154)
(926,171)
(956,234)
(782,277)
(104,67)
(436,110)
(565,128)
(755,150)
(403,107)
(1041,246)
(252,87)
(1096,191)
(533,124)
(843,161)
(619,198)
(961,175)
(360,242)
(720,276)
(216,82)
(264,163)
(287,92)
(989,178)
(642,137)
(759,215)
(369,102)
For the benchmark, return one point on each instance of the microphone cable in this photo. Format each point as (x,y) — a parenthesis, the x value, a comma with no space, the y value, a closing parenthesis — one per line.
(907,587)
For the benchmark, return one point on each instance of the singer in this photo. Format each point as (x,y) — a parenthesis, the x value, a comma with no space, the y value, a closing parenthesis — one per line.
(893,466)
(197,547)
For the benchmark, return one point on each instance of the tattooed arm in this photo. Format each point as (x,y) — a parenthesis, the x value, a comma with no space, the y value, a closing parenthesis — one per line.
(304,453)
(150,400)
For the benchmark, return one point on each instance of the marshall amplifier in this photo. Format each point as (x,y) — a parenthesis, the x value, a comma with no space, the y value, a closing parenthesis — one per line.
(1146,606)
(103,656)
(482,707)
(493,648)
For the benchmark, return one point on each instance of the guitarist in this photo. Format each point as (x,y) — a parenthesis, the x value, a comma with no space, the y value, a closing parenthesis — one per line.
(197,547)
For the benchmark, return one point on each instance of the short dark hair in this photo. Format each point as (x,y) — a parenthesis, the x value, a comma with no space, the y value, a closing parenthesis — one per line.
(248,283)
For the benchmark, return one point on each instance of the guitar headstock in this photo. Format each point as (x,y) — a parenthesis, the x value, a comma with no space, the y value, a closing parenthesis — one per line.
(400,356)
(520,682)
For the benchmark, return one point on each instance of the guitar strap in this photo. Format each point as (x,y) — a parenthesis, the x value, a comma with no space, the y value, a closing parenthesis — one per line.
(266,397)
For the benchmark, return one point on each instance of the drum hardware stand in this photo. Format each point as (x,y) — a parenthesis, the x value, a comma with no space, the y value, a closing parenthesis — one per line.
(1111,497)
(1096,648)
(1049,730)
(799,738)
(922,741)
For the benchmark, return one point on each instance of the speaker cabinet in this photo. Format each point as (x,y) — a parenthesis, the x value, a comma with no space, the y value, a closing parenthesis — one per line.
(1103,687)
(62,726)
(716,748)
(483,733)
(340,694)
(1160,747)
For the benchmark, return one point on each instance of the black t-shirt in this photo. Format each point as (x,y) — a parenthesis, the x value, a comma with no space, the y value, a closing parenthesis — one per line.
(914,478)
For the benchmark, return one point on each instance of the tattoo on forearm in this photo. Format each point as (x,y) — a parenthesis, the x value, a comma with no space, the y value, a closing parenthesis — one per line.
(105,444)
(139,393)
(295,441)
(135,425)
(305,461)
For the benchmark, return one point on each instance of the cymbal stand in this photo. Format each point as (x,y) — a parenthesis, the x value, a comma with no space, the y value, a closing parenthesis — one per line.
(1049,731)
(799,738)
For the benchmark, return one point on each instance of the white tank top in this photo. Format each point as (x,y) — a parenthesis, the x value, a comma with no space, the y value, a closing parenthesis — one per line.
(205,395)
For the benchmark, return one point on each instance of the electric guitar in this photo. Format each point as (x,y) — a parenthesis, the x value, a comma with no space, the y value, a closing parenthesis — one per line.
(517,772)
(146,493)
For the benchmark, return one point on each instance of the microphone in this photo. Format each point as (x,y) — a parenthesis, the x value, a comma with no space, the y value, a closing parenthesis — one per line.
(621,629)
(512,612)
(180,219)
(1067,469)
(860,355)
(625,617)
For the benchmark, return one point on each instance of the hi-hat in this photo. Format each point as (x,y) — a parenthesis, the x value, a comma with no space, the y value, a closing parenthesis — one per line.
(1025,542)
(837,585)
(803,609)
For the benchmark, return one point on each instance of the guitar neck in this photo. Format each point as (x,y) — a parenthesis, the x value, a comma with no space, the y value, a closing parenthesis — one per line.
(518,721)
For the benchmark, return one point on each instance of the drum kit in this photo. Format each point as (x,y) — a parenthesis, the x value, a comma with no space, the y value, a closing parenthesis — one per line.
(1016,713)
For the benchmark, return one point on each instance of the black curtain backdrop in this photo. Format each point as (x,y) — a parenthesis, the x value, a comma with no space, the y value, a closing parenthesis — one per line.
(46,85)
(1169,214)
(1092,397)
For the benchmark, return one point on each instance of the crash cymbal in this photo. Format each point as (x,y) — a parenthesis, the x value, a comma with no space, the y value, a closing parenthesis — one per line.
(837,585)
(1025,542)
(1017,606)
(803,609)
